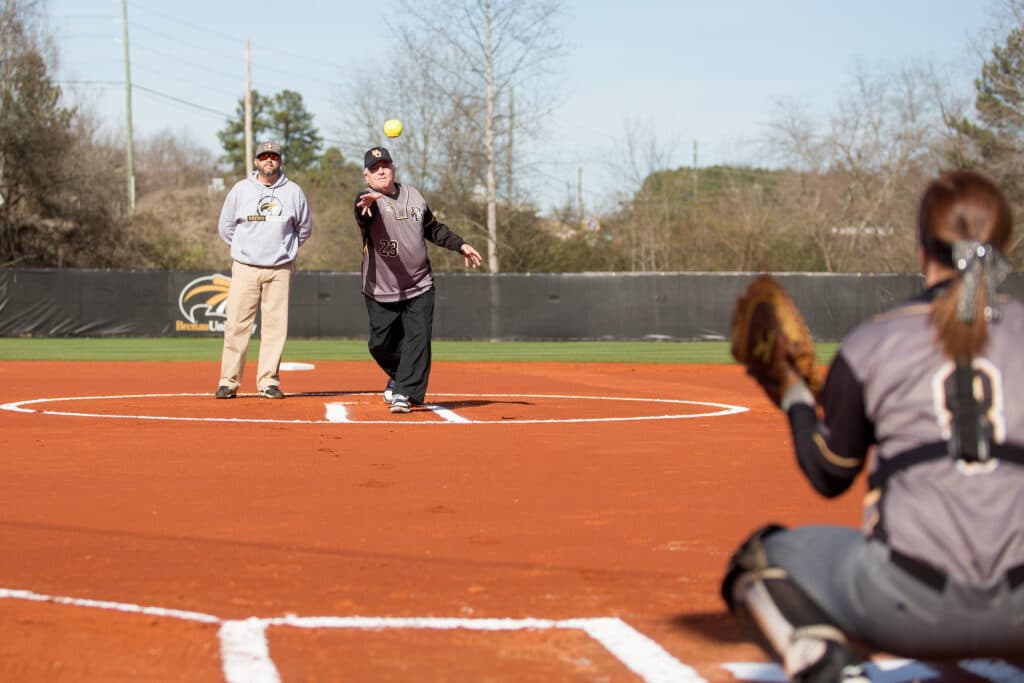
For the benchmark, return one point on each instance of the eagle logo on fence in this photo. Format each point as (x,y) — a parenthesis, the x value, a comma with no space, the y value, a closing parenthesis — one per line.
(205,298)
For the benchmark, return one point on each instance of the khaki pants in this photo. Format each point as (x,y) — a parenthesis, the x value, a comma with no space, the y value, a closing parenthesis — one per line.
(251,288)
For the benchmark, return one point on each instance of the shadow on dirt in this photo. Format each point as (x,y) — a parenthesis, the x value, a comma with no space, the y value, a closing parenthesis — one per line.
(720,627)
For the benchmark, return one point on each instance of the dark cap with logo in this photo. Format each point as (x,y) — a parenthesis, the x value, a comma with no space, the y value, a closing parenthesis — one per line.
(268,147)
(375,155)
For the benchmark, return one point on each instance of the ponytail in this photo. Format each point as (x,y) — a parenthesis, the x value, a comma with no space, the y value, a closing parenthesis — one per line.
(964,222)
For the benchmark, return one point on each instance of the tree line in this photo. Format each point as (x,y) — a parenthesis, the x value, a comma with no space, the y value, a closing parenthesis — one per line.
(841,198)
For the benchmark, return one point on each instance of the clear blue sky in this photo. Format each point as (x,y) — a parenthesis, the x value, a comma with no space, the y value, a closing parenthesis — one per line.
(704,71)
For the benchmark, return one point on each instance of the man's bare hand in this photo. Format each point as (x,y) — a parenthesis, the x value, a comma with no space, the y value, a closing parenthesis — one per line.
(365,201)
(471,256)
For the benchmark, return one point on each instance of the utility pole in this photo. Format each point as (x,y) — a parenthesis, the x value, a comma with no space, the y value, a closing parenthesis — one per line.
(579,197)
(694,171)
(492,199)
(248,111)
(6,19)
(511,130)
(130,145)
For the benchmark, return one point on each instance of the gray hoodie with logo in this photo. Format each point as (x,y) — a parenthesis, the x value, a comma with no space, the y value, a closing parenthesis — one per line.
(265,226)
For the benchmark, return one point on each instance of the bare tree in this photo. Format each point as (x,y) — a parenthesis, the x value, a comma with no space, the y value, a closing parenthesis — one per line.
(401,90)
(169,160)
(472,54)
(794,139)
(993,139)
(859,175)
(651,207)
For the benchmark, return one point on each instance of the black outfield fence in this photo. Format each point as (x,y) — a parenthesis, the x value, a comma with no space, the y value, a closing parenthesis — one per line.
(571,306)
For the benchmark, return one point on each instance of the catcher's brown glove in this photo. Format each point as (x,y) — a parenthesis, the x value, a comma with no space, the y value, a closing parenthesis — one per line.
(770,337)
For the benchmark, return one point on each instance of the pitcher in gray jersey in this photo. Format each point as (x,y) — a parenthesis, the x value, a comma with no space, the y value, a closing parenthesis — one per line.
(398,285)
(935,390)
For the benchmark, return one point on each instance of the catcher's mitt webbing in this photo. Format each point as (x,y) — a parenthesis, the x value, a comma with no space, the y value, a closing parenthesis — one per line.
(769,333)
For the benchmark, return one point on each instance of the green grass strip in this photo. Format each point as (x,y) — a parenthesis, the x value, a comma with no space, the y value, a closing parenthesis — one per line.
(209,348)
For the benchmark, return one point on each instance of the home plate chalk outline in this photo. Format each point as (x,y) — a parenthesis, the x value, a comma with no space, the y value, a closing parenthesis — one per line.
(337,413)
(889,670)
(245,652)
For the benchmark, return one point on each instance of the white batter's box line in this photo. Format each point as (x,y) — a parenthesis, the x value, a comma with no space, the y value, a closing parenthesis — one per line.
(109,605)
(245,651)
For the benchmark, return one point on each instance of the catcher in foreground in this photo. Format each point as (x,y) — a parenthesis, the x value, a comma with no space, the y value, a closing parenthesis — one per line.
(934,388)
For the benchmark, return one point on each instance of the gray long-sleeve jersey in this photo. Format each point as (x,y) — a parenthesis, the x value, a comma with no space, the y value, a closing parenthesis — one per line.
(892,388)
(265,226)
(396,266)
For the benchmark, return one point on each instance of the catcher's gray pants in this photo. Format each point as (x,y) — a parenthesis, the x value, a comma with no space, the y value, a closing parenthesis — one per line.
(886,607)
(400,333)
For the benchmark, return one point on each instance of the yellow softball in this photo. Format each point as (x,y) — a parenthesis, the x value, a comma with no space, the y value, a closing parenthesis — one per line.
(392,128)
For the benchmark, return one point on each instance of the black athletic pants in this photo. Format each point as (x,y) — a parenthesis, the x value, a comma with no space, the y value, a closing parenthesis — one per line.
(400,333)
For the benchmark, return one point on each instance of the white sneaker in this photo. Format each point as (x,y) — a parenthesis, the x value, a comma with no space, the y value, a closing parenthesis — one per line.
(400,404)
(389,394)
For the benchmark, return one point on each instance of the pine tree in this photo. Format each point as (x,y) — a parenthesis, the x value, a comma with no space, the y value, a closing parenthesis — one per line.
(232,136)
(282,117)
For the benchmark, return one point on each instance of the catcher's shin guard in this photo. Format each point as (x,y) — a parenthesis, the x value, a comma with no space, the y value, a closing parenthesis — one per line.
(792,626)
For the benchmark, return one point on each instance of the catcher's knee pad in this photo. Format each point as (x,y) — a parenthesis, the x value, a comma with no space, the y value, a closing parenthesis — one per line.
(749,557)
(790,622)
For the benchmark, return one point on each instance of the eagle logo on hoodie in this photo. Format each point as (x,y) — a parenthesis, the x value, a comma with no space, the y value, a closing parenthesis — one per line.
(269,206)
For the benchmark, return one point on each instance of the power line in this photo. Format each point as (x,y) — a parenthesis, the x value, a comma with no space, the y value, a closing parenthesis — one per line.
(297,75)
(179,100)
(119,84)
(179,41)
(160,27)
(222,56)
(205,29)
(147,48)
(178,60)
(150,91)
(179,20)
(206,68)
(87,36)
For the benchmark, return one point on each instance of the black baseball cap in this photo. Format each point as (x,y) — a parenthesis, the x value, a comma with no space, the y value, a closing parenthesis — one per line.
(375,155)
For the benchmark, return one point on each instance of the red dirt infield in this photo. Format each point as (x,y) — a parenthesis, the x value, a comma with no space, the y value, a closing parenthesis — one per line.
(185,517)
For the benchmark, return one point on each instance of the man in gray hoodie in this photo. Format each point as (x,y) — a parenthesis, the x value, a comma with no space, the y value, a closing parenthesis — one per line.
(265,220)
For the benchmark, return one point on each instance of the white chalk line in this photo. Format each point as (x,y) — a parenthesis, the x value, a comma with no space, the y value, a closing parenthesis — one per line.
(448,415)
(887,670)
(245,651)
(338,415)
(107,604)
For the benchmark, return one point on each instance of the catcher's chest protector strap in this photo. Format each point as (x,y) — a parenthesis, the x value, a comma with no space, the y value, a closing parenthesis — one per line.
(971,436)
(933,451)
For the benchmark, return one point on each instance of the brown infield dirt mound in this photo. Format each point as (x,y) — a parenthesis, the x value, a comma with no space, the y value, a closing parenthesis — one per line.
(271,509)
